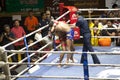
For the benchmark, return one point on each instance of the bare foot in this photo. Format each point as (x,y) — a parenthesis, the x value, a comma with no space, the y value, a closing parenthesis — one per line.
(59,66)
(71,60)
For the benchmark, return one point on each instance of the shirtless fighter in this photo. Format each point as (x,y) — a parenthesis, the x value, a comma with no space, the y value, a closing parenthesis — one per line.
(60,27)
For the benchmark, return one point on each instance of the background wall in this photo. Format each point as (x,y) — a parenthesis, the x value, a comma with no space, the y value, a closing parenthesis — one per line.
(110,2)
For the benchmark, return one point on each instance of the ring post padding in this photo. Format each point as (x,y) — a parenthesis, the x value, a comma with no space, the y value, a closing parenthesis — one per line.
(2,63)
(2,49)
(2,76)
(85,66)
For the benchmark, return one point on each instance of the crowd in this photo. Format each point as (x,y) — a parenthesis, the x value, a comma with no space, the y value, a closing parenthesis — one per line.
(98,28)
(31,23)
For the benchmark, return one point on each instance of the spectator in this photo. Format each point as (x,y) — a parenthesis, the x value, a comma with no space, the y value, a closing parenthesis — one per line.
(115,6)
(6,37)
(95,31)
(19,32)
(105,26)
(118,34)
(95,27)
(110,32)
(105,14)
(31,22)
(44,21)
(37,37)
(104,22)
(118,39)
(48,15)
(111,15)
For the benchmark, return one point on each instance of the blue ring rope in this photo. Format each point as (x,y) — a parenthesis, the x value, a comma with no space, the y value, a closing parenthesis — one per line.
(28,56)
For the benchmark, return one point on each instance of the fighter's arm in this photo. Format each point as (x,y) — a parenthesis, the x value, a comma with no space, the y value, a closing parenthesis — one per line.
(72,25)
(52,29)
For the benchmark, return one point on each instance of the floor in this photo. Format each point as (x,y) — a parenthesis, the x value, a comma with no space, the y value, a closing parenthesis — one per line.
(97,71)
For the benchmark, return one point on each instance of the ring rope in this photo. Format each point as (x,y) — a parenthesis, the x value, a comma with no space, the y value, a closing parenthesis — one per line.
(101,18)
(47,26)
(34,43)
(64,77)
(26,69)
(22,72)
(33,31)
(67,52)
(23,36)
(63,15)
(30,55)
(95,9)
(106,28)
(28,46)
(68,64)
(103,36)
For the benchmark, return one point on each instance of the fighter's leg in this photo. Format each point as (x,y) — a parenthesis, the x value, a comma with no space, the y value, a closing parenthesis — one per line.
(63,44)
(68,42)
(72,49)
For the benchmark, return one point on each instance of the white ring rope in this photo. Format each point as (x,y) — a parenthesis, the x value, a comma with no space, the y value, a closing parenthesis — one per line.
(103,36)
(33,31)
(68,52)
(63,77)
(116,28)
(23,36)
(28,46)
(69,64)
(63,15)
(30,55)
(22,72)
(95,9)
(34,43)
(101,18)
(40,59)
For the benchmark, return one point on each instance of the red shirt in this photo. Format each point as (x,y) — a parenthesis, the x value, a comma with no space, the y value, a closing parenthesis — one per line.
(18,32)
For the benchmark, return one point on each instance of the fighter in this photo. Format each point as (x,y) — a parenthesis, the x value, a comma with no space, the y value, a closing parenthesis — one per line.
(59,28)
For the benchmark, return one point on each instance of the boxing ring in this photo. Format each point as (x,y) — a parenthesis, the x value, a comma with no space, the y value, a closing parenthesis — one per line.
(45,68)
(75,71)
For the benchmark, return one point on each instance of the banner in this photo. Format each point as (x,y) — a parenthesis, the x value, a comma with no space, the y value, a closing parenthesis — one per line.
(24,5)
